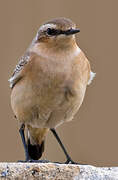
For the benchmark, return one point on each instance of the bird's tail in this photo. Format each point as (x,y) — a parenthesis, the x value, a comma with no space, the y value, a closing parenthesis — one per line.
(35,141)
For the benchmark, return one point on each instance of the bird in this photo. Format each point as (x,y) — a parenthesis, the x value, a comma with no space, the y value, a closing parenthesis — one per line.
(48,85)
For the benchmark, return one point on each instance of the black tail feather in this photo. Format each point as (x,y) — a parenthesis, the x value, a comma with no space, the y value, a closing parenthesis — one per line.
(35,151)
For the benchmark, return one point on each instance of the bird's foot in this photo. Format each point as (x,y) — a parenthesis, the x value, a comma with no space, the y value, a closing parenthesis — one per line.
(70,161)
(39,161)
(33,161)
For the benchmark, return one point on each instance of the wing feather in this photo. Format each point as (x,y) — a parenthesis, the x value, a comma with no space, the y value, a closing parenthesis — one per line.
(92,75)
(16,76)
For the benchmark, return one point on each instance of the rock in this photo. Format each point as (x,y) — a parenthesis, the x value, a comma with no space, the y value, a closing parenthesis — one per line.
(55,171)
(88,172)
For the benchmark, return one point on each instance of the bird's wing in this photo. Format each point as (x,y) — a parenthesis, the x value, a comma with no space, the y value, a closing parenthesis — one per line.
(85,60)
(92,75)
(16,76)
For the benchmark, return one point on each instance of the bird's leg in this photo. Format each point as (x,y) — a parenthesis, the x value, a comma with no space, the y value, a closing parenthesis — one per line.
(21,131)
(69,160)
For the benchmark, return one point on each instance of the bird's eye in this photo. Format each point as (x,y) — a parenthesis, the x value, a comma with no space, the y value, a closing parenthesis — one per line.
(52,32)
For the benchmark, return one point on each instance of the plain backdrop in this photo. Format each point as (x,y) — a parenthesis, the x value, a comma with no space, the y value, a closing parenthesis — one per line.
(92,137)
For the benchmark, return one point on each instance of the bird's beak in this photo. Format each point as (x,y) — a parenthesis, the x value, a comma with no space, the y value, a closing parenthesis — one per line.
(72,31)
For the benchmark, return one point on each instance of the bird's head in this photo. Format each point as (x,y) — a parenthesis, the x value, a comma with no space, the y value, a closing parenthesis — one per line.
(58,31)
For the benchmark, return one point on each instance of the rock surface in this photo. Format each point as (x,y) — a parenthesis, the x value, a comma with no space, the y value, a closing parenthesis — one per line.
(55,171)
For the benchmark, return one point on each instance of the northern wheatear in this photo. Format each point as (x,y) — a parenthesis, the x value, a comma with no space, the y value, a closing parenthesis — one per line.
(49,84)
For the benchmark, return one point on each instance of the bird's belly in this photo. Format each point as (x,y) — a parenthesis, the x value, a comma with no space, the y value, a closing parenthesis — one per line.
(66,110)
(48,107)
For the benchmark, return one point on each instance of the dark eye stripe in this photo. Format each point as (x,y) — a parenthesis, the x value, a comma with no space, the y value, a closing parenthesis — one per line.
(52,32)
(55,32)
